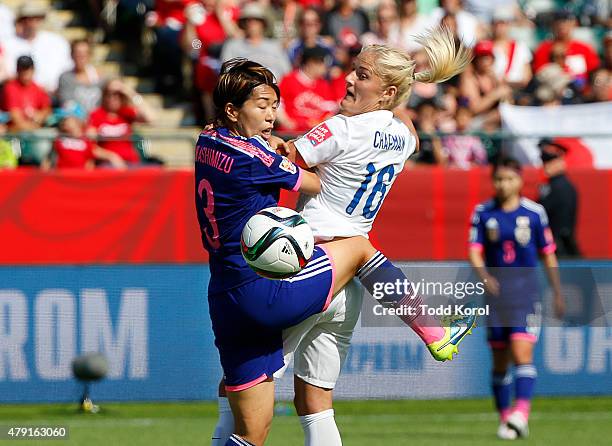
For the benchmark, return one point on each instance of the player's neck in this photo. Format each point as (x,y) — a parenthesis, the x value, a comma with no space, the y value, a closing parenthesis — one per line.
(511,203)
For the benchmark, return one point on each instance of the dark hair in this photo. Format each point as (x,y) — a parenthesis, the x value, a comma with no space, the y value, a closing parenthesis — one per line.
(507,162)
(237,80)
(306,10)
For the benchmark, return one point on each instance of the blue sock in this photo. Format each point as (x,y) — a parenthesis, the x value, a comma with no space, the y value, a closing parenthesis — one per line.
(235,440)
(502,392)
(525,376)
(386,282)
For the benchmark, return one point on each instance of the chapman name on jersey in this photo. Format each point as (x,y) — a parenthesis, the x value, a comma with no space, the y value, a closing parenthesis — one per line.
(357,158)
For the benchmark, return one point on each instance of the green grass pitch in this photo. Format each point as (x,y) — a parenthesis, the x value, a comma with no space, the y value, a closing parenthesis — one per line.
(555,422)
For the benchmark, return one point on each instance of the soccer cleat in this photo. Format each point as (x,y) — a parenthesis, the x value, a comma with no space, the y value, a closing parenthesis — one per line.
(518,422)
(505,433)
(456,328)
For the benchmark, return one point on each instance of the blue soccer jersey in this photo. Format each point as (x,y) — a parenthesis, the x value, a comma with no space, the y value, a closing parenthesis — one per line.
(511,238)
(236,177)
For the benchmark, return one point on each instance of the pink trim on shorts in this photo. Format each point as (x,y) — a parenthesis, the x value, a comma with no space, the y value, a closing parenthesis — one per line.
(333,281)
(247,385)
(524,337)
(298,183)
(498,345)
(549,249)
(477,246)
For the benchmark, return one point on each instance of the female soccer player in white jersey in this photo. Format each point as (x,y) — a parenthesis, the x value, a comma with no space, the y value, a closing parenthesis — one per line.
(358,155)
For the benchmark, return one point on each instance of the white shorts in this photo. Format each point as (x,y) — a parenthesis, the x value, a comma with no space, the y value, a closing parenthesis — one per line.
(319,344)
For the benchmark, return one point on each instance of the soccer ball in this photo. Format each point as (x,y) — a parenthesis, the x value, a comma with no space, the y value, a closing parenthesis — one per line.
(277,243)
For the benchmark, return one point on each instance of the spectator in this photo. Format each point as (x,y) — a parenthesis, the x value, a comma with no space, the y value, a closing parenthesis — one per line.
(73,150)
(282,15)
(309,36)
(559,198)
(345,23)
(387,28)
(7,23)
(411,24)
(607,52)
(27,103)
(468,29)
(430,148)
(553,86)
(112,121)
(601,86)
(82,85)
(307,97)
(4,72)
(485,10)
(463,151)
(50,51)
(167,21)
(512,59)
(209,23)
(577,58)
(254,45)
(481,87)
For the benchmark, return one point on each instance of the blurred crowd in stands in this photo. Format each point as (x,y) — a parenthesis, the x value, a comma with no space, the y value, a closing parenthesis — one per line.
(527,52)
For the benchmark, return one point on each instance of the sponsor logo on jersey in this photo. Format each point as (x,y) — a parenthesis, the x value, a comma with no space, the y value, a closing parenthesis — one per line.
(389,141)
(288,166)
(522,232)
(492,229)
(319,134)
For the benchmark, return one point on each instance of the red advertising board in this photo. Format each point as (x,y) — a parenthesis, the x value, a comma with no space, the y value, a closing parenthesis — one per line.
(148,216)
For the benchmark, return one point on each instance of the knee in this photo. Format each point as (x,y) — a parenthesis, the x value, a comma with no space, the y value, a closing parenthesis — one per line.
(311,399)
(257,431)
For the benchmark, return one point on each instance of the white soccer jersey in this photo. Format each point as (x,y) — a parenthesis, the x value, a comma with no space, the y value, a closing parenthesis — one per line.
(357,159)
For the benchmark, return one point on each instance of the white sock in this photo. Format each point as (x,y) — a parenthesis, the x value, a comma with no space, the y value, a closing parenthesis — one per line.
(320,429)
(225,423)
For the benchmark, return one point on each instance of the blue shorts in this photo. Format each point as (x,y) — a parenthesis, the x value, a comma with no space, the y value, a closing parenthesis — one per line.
(525,325)
(248,320)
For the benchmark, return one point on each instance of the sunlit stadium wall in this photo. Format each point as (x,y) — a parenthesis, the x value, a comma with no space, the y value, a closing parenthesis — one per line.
(152,324)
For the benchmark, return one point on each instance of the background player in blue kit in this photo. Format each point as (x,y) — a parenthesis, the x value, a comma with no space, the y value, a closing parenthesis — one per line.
(509,234)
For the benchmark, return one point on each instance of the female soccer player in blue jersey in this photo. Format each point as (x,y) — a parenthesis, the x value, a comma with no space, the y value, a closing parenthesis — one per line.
(236,176)
(508,235)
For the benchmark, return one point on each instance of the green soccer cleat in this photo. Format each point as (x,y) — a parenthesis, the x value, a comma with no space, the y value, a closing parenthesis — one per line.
(456,328)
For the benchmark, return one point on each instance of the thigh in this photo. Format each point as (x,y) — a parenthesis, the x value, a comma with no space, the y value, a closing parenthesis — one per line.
(321,354)
(284,303)
(249,353)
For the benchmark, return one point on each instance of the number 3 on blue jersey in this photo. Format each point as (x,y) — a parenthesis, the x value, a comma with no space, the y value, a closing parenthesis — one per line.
(385,174)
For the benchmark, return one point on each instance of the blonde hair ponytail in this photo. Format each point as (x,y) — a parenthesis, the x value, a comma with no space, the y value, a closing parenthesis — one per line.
(396,68)
(446,59)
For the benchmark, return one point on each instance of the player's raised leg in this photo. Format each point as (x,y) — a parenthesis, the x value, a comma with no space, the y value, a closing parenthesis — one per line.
(442,336)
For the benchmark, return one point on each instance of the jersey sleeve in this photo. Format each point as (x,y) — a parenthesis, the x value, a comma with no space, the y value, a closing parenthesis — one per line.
(544,239)
(276,171)
(476,238)
(324,142)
